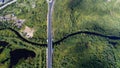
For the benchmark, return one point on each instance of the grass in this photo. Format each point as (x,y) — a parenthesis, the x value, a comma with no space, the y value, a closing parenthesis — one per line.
(85,52)
(86,15)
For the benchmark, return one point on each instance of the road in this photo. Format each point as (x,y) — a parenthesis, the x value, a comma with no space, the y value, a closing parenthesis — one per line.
(49,33)
(7,4)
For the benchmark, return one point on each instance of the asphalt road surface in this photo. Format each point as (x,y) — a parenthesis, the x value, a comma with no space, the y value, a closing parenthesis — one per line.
(49,33)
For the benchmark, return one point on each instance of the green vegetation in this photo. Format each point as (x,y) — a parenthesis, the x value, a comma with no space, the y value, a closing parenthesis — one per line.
(90,15)
(86,51)
(69,16)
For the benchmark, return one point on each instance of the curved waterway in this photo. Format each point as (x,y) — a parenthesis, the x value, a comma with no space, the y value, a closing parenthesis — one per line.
(65,37)
(22,38)
(88,33)
(22,53)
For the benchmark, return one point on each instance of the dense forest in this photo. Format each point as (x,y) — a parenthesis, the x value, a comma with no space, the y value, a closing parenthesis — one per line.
(81,50)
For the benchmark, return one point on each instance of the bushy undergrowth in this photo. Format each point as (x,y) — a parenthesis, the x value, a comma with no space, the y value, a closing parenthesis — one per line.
(92,15)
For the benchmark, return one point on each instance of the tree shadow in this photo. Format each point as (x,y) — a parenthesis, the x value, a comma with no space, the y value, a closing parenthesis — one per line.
(93,63)
(74,3)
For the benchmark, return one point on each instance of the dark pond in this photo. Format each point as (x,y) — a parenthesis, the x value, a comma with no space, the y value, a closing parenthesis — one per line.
(3,44)
(18,54)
